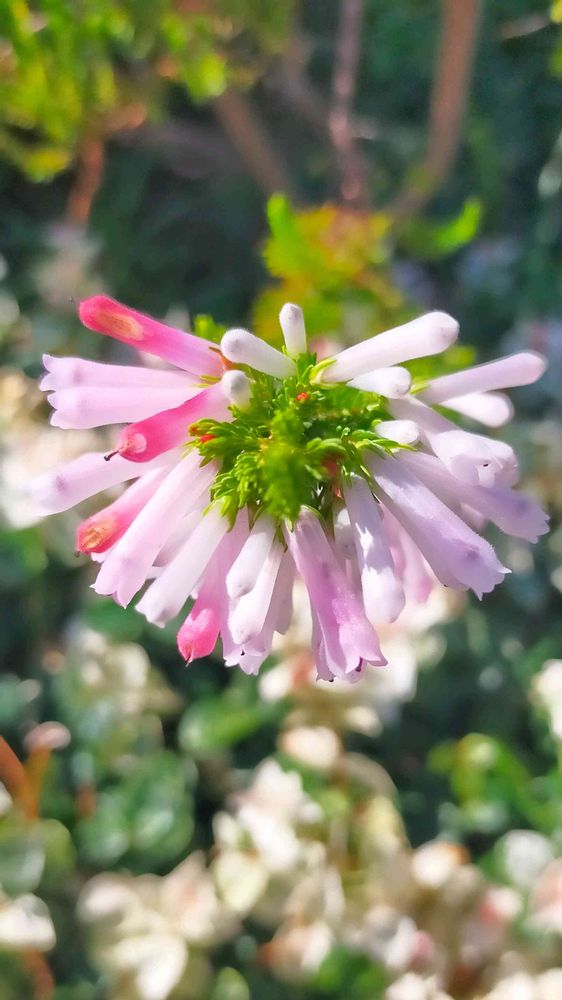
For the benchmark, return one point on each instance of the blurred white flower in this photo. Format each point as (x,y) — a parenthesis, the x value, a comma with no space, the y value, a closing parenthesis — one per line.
(119,673)
(25,922)
(547,689)
(263,845)
(268,812)
(28,448)
(434,864)
(519,986)
(549,985)
(240,876)
(523,854)
(310,926)
(386,935)
(413,987)
(296,952)
(5,800)
(314,746)
(339,872)
(546,899)
(148,933)
(484,933)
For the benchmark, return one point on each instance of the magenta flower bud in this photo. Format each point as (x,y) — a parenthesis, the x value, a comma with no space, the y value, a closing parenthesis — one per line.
(149,438)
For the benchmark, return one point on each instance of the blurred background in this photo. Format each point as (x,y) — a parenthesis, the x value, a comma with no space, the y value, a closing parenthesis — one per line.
(196,833)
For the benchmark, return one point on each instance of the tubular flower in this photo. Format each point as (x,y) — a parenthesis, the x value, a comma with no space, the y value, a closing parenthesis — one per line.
(250,465)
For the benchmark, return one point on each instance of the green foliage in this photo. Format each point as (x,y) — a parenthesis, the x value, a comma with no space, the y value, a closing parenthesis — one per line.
(494,788)
(337,265)
(429,240)
(21,557)
(230,985)
(144,819)
(214,724)
(343,971)
(277,454)
(34,855)
(207,327)
(74,72)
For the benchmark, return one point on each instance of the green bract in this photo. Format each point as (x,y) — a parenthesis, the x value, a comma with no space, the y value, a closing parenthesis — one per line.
(288,447)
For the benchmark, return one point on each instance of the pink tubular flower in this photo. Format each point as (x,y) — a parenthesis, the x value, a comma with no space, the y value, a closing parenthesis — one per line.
(162,431)
(383,593)
(193,354)
(198,635)
(101,531)
(343,639)
(244,473)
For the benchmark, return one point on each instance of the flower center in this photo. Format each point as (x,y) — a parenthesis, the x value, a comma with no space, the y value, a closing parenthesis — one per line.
(289,446)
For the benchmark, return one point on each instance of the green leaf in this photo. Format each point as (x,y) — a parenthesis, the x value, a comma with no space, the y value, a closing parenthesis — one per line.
(205,326)
(287,252)
(16,698)
(430,239)
(147,817)
(22,556)
(215,724)
(493,786)
(122,624)
(343,972)
(230,985)
(22,856)
(60,854)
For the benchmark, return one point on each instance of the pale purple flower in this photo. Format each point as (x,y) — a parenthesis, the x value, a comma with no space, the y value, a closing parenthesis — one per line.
(409,510)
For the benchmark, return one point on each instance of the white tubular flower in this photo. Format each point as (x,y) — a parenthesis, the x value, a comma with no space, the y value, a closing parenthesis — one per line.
(430,334)
(244,348)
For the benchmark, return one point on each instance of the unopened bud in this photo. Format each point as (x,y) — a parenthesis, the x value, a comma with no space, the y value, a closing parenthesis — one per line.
(292,324)
(236,387)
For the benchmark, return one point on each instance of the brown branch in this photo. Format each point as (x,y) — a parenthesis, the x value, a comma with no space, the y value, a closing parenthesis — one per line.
(188,149)
(39,971)
(14,777)
(88,179)
(244,129)
(353,186)
(290,81)
(297,91)
(448,103)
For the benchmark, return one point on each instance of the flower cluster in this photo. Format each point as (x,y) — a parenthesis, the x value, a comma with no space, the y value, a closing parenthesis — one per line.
(25,923)
(150,934)
(253,465)
(330,870)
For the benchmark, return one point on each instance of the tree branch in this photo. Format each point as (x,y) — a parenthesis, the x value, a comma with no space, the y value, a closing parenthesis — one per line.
(297,91)
(14,777)
(353,179)
(252,143)
(91,157)
(448,103)
(39,971)
(189,149)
